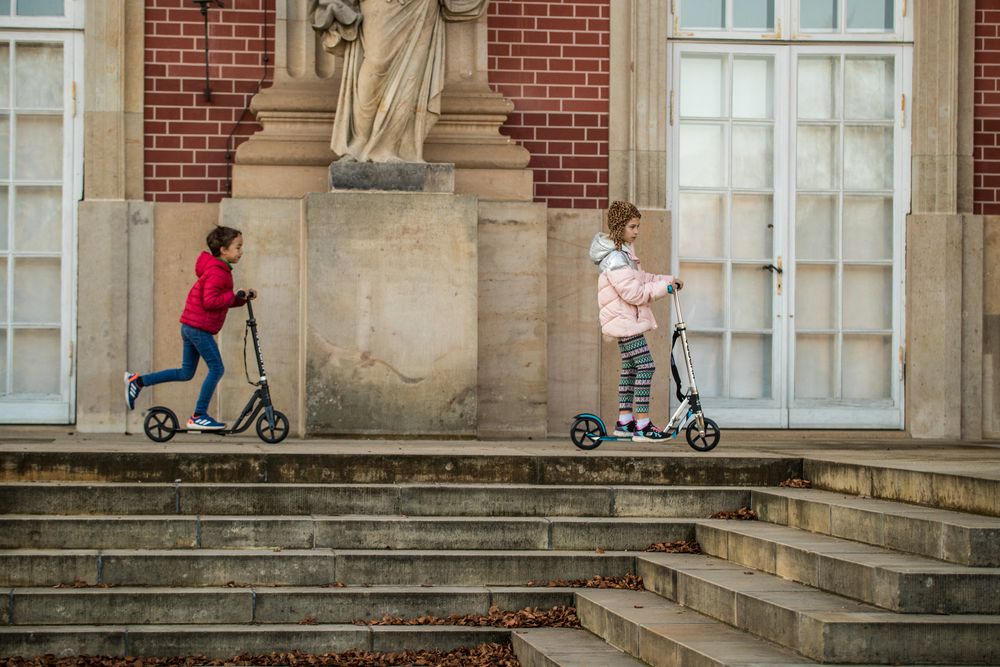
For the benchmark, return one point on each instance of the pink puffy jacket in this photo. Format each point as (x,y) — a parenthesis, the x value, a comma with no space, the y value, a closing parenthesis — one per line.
(624,290)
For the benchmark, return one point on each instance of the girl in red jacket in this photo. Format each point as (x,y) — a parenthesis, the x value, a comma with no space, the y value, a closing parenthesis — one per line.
(205,311)
(624,292)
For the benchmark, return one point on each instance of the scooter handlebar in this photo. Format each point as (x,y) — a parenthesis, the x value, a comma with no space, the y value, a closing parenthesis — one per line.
(241,294)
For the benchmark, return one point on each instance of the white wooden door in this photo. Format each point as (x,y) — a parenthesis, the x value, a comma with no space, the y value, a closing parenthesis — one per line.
(789,184)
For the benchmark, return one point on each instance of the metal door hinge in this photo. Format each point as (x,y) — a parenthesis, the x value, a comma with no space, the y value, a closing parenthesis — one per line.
(902,110)
(73,97)
(902,363)
(670,108)
(904,8)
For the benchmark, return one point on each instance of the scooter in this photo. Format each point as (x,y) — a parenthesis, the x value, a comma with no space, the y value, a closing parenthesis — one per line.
(161,423)
(588,430)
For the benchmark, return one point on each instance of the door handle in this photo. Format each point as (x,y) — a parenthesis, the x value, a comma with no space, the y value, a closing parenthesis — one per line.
(772,268)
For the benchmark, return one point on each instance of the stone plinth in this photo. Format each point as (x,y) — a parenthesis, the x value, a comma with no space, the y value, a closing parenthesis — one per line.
(391,313)
(392,176)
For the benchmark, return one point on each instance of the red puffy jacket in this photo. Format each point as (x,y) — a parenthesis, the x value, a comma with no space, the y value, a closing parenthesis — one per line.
(212,295)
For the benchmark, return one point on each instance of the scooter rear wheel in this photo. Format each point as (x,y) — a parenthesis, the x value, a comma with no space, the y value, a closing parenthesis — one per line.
(160,424)
(586,432)
(272,435)
(703,443)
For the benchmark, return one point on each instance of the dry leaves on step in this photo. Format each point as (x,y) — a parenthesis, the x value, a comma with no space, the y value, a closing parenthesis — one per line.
(629,581)
(796,483)
(530,617)
(744,513)
(678,547)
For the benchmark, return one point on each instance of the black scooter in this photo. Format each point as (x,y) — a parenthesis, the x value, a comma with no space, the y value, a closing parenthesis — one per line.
(161,422)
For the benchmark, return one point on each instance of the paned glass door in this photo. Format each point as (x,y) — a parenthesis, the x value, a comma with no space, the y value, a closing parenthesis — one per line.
(37,188)
(788,195)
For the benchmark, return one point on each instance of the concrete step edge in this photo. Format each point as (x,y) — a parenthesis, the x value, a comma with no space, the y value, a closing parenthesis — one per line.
(567,647)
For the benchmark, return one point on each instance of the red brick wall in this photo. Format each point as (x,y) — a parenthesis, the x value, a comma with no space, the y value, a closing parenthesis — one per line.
(551,58)
(186,135)
(986,153)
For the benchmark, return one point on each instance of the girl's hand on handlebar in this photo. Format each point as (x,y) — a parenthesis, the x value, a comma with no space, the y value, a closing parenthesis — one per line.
(251,294)
(678,284)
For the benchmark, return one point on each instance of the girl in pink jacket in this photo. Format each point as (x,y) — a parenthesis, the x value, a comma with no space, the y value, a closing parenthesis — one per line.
(205,311)
(624,292)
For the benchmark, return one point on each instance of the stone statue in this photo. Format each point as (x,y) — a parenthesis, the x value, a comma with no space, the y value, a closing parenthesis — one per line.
(393,51)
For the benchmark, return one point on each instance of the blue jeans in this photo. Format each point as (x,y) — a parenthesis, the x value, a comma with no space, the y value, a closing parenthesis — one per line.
(197,344)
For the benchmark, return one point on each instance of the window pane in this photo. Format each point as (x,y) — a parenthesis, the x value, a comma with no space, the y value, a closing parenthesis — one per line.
(869,89)
(815,296)
(39,76)
(753,87)
(38,219)
(703,287)
(753,227)
(818,14)
(707,349)
(37,290)
(3,292)
(703,156)
(39,147)
(867,297)
(3,361)
(4,223)
(5,7)
(753,156)
(40,7)
(4,146)
(817,151)
(751,367)
(4,74)
(870,15)
(867,367)
(815,358)
(868,158)
(752,290)
(867,228)
(753,14)
(703,13)
(816,227)
(702,219)
(818,82)
(34,350)
(702,85)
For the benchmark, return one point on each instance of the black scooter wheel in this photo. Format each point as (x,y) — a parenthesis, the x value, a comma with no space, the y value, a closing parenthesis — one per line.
(703,443)
(160,424)
(586,433)
(272,435)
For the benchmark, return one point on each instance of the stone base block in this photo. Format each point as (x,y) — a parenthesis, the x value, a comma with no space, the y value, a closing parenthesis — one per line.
(391,312)
(392,176)
(279,181)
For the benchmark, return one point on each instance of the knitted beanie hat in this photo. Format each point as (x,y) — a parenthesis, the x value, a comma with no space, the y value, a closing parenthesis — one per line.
(619,213)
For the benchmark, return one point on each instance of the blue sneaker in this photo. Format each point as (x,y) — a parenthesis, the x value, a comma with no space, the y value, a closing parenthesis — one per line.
(625,430)
(204,423)
(132,389)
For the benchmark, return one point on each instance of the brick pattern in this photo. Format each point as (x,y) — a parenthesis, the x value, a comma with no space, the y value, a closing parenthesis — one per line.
(986,151)
(551,58)
(186,135)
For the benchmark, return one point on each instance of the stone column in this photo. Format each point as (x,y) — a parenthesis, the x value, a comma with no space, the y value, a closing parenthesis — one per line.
(944,246)
(296,114)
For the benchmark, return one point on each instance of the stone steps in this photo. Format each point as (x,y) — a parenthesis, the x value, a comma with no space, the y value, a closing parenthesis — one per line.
(130,605)
(822,626)
(338,532)
(665,634)
(566,647)
(493,500)
(956,537)
(223,641)
(888,579)
(303,567)
(288,465)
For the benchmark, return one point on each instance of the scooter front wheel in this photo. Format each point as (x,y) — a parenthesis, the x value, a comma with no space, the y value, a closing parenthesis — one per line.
(160,424)
(586,432)
(272,435)
(706,442)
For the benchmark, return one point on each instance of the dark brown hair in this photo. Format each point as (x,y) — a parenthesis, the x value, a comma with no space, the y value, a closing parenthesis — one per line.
(220,238)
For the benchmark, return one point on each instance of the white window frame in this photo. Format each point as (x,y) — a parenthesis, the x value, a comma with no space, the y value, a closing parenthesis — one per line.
(786,19)
(72,20)
(30,410)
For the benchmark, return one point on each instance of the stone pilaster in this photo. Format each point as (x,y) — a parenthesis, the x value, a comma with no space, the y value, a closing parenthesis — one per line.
(637,139)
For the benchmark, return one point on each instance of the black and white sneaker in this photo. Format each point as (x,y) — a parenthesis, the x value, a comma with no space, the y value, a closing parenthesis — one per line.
(625,430)
(649,434)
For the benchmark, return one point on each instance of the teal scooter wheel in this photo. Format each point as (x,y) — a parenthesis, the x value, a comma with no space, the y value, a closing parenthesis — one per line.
(587,432)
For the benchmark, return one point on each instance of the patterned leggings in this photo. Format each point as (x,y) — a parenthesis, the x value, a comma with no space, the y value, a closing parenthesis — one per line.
(637,374)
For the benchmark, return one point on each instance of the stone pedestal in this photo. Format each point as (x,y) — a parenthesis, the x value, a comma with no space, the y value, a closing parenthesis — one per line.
(391,314)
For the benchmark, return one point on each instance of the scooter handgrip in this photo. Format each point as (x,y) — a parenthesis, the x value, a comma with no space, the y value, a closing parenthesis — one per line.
(241,294)
(670,289)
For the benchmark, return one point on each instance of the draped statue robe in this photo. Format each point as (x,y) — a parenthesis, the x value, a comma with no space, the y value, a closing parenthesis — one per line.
(394,59)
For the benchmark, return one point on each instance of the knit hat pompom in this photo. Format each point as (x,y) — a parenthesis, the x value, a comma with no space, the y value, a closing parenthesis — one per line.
(619,213)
